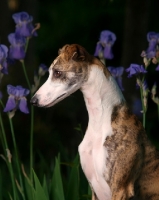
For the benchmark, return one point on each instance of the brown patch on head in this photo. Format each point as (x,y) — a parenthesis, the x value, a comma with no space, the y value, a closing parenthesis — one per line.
(77,54)
(74,52)
(73,64)
(74,58)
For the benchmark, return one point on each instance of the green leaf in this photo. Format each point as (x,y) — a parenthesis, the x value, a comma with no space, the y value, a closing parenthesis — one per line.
(73,183)
(20,189)
(57,186)
(39,191)
(30,191)
(45,187)
(10,196)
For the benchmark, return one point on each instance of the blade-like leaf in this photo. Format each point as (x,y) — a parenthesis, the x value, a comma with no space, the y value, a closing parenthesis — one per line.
(45,187)
(20,189)
(57,186)
(10,196)
(39,191)
(73,183)
(30,191)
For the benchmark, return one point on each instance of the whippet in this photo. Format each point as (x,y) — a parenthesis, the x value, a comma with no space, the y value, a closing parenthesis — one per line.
(117,158)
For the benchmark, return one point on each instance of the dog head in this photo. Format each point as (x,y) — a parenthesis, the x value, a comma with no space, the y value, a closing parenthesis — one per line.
(67,73)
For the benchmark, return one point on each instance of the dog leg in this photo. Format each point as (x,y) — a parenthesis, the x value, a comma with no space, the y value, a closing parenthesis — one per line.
(122,194)
(94,197)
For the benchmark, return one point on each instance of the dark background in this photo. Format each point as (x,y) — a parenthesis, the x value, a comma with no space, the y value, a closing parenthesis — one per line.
(81,21)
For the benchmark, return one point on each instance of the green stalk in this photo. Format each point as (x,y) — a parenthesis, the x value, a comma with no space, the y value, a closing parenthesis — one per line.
(31,142)
(9,164)
(27,43)
(16,153)
(25,73)
(143,108)
(32,123)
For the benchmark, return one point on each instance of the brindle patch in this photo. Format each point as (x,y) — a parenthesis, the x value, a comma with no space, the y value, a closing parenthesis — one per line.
(135,173)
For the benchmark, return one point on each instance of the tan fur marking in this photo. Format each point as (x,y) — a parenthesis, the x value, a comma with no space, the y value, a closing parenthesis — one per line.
(132,158)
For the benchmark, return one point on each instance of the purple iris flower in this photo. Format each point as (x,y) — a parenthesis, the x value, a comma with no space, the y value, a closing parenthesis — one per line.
(148,54)
(153,39)
(17,48)
(104,46)
(42,69)
(135,69)
(3,59)
(117,73)
(24,25)
(17,99)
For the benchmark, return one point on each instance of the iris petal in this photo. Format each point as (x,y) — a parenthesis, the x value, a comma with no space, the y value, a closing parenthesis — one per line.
(17,48)
(10,105)
(135,69)
(23,106)
(108,52)
(17,91)
(98,49)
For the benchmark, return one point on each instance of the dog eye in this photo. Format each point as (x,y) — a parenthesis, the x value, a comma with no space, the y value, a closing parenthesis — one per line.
(57,73)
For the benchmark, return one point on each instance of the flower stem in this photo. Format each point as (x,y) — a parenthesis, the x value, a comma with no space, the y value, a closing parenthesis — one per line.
(143,108)
(16,152)
(32,123)
(9,164)
(27,43)
(31,142)
(25,73)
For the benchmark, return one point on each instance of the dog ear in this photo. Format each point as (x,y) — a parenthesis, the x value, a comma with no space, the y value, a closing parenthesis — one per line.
(79,55)
(62,49)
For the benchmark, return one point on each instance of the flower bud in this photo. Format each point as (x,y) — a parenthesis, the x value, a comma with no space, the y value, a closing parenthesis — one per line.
(153,90)
(42,70)
(138,81)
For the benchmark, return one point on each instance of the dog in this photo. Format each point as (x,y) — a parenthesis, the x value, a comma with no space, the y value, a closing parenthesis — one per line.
(118,160)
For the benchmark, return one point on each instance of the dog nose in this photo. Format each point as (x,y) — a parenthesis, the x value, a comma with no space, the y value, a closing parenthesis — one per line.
(34,101)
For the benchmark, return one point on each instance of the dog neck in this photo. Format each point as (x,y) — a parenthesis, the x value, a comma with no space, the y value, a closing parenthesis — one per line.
(101,94)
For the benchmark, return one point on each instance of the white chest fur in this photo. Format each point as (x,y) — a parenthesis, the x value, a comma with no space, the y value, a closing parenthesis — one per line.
(93,160)
(100,94)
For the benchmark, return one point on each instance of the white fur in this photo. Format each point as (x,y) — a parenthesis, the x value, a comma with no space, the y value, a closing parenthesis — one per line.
(51,90)
(100,94)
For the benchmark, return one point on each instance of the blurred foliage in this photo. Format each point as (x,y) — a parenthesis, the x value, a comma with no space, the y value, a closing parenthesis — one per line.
(52,184)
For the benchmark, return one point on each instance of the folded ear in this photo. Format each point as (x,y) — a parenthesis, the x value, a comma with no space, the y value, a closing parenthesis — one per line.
(62,49)
(79,54)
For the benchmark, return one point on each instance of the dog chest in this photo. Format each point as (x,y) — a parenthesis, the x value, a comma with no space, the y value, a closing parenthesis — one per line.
(93,161)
